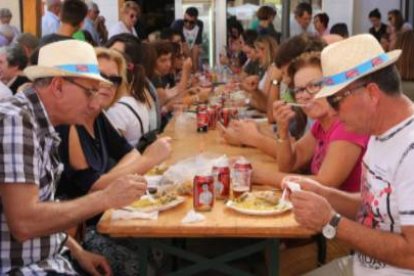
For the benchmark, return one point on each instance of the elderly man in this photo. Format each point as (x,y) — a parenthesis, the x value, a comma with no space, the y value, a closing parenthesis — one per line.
(16,61)
(50,20)
(64,91)
(5,18)
(363,85)
(89,23)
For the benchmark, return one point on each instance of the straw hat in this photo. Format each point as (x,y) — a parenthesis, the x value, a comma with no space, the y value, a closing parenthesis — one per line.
(346,61)
(67,58)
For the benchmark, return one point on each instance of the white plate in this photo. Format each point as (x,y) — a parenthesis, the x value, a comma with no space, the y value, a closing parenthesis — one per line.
(160,208)
(232,205)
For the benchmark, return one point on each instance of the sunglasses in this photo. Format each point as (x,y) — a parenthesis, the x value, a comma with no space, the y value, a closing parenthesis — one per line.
(116,80)
(312,88)
(190,22)
(335,100)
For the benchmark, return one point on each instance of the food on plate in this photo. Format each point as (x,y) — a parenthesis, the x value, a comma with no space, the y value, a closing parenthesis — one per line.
(185,188)
(259,201)
(157,200)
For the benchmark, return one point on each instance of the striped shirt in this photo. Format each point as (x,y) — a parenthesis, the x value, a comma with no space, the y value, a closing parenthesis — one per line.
(28,154)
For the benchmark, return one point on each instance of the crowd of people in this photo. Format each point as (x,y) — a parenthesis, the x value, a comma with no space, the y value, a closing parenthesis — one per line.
(83,108)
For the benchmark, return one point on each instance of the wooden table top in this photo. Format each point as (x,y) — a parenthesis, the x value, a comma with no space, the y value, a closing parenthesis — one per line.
(221,221)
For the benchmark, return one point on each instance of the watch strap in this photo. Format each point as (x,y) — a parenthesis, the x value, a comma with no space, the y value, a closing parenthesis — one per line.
(335,220)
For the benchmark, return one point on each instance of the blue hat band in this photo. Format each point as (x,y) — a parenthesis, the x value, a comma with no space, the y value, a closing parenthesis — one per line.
(80,68)
(356,72)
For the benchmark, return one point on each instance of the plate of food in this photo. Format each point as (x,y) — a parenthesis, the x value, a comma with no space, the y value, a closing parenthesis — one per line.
(263,203)
(150,203)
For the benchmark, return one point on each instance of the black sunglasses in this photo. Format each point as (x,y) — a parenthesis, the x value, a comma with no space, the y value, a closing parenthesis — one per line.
(116,80)
(191,22)
(336,99)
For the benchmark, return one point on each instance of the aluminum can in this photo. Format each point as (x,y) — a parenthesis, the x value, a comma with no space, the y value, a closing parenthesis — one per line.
(212,117)
(203,193)
(202,118)
(221,175)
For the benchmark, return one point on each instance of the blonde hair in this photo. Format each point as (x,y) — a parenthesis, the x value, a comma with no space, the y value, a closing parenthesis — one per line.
(270,45)
(130,5)
(117,57)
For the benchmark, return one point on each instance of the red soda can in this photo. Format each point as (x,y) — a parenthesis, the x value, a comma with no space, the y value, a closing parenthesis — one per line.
(221,175)
(202,118)
(241,177)
(203,192)
(212,117)
(225,116)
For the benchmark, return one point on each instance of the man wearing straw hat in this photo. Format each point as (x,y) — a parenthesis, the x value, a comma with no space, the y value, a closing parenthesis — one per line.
(363,86)
(64,91)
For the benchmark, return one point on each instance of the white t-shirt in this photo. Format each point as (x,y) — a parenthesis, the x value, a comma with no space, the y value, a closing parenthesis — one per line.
(120,28)
(191,35)
(387,189)
(124,120)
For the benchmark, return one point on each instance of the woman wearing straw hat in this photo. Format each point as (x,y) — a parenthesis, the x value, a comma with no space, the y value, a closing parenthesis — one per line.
(378,223)
(63,92)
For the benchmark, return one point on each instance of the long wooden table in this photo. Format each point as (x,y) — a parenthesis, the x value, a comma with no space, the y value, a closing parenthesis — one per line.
(220,222)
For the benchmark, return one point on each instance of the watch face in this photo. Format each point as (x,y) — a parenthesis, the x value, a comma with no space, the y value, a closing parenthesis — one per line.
(329,231)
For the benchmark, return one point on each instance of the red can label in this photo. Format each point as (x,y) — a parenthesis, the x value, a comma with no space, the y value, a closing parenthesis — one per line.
(221,177)
(203,195)
(212,117)
(202,118)
(227,114)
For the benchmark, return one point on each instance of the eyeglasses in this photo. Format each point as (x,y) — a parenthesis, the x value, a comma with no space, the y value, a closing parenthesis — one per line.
(116,80)
(190,22)
(90,92)
(312,88)
(335,100)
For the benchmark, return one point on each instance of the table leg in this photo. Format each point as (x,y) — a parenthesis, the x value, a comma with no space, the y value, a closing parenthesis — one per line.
(144,247)
(273,263)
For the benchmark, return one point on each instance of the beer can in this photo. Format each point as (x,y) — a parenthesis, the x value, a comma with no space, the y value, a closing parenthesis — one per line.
(203,193)
(241,177)
(221,175)
(202,118)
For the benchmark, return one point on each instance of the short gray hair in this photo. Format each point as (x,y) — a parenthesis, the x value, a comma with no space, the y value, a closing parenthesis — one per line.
(5,12)
(42,82)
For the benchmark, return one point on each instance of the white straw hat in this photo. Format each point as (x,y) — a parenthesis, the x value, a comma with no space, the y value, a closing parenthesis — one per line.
(346,61)
(67,58)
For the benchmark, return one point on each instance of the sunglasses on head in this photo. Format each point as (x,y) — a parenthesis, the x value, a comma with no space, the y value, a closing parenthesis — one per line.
(116,80)
(191,22)
(336,99)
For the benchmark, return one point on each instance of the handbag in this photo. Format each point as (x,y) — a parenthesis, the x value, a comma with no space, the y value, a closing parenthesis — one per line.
(146,138)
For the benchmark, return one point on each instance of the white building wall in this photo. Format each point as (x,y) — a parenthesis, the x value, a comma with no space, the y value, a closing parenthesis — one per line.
(109,9)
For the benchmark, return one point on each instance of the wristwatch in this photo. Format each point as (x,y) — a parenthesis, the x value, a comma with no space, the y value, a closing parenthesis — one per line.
(275,83)
(329,230)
